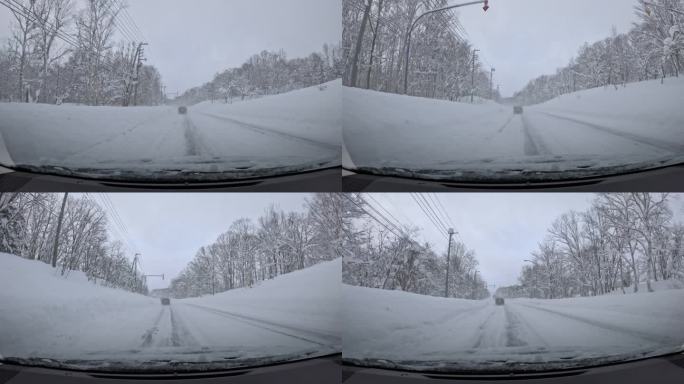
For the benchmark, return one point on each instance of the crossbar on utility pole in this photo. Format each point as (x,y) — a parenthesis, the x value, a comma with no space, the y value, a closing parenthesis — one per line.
(415,23)
(446,288)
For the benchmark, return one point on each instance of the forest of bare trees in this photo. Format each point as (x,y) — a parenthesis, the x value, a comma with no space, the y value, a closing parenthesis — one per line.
(268,73)
(65,51)
(391,258)
(622,241)
(30,222)
(278,242)
(651,50)
(443,64)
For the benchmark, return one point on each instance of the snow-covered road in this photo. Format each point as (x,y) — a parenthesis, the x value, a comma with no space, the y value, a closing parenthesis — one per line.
(282,130)
(44,315)
(419,330)
(199,332)
(638,124)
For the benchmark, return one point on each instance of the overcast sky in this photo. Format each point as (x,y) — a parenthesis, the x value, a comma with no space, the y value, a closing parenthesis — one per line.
(503,229)
(524,39)
(168,229)
(191,40)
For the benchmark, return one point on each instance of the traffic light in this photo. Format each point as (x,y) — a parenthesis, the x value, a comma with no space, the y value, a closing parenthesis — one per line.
(486,5)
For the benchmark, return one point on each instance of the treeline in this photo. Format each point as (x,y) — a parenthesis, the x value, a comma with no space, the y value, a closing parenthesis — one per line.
(63,51)
(651,50)
(278,242)
(268,73)
(29,225)
(443,65)
(624,239)
(382,258)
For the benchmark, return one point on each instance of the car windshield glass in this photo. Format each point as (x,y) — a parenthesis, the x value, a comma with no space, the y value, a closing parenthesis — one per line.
(524,90)
(170,89)
(167,282)
(513,282)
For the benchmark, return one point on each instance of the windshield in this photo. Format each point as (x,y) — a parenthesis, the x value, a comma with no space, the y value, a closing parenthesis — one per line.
(170,90)
(520,91)
(167,282)
(512,282)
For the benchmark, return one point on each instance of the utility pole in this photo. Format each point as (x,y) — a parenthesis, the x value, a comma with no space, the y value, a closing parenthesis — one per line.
(446,288)
(472,77)
(139,54)
(491,83)
(55,246)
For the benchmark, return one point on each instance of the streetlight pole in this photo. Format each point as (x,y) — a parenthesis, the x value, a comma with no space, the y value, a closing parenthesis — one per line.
(446,288)
(415,23)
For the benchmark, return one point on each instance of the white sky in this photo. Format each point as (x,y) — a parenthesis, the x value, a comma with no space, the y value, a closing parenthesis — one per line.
(191,40)
(168,229)
(502,228)
(524,39)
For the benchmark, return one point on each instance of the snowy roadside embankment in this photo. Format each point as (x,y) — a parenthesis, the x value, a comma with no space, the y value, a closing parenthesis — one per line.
(307,299)
(45,314)
(313,113)
(645,108)
(421,332)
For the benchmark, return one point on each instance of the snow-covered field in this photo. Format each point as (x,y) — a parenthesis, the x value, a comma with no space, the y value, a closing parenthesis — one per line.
(393,328)
(46,316)
(640,125)
(299,130)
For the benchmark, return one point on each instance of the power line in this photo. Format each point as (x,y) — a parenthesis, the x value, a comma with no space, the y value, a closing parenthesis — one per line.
(441,230)
(434,212)
(439,207)
(371,215)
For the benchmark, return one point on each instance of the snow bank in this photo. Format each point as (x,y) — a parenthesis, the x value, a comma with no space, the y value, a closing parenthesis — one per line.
(648,107)
(308,299)
(44,314)
(314,113)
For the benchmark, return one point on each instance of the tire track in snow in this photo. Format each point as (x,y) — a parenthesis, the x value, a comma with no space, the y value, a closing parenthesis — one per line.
(523,326)
(148,336)
(180,335)
(314,337)
(484,329)
(271,132)
(663,145)
(534,145)
(194,142)
(652,338)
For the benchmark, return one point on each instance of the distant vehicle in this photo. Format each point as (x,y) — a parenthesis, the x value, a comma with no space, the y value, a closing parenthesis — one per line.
(518,110)
(183,110)
(165,301)
(499,301)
